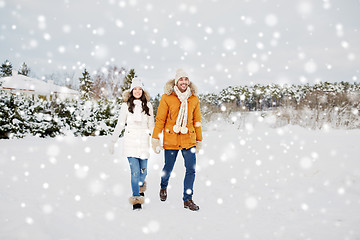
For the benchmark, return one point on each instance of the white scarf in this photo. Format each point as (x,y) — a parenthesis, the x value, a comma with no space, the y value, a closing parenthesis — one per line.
(137,111)
(181,120)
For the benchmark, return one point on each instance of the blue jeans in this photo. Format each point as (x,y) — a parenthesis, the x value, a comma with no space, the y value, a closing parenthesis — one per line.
(138,169)
(190,164)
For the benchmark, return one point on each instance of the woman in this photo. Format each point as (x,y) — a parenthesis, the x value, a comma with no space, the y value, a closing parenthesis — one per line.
(137,113)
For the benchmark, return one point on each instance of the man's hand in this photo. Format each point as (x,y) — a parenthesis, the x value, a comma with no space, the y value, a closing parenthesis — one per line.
(198,146)
(156,145)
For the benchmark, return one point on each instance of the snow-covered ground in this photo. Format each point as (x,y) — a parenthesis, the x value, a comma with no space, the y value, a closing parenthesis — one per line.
(253,182)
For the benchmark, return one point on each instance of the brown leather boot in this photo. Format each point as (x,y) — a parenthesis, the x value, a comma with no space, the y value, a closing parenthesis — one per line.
(189,204)
(163,194)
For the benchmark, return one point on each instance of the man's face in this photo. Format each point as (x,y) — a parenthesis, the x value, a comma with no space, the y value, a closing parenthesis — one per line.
(183,84)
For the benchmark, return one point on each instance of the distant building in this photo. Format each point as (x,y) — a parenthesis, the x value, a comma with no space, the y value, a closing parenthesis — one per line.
(20,84)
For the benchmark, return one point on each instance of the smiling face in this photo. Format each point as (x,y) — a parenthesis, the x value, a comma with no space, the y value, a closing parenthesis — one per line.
(137,92)
(183,84)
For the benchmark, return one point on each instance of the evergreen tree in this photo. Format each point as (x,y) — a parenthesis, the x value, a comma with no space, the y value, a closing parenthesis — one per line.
(155,103)
(24,70)
(86,85)
(128,80)
(6,69)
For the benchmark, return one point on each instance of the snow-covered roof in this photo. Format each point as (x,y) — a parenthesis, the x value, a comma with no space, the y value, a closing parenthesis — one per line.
(18,82)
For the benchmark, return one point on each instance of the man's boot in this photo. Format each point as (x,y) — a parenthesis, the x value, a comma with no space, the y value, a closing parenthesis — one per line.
(163,194)
(189,204)
(143,189)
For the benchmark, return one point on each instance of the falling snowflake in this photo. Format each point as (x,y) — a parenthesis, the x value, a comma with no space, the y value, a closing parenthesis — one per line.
(310,67)
(271,20)
(306,163)
(251,203)
(47,209)
(110,216)
(29,220)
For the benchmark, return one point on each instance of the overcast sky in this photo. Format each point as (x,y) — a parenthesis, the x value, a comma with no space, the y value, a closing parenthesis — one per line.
(218,42)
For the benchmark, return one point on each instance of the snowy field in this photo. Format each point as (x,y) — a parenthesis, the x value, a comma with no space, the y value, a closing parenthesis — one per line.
(253,182)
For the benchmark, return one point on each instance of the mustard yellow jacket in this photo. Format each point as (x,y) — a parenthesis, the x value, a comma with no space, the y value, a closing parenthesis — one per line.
(167,114)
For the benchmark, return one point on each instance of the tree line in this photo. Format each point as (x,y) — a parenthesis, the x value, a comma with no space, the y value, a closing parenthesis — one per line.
(266,97)
(106,83)
(96,111)
(312,106)
(6,69)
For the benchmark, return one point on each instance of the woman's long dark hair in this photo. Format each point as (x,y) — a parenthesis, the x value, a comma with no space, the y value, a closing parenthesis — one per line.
(144,105)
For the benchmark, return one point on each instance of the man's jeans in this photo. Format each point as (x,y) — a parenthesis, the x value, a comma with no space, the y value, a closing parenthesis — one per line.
(138,169)
(190,164)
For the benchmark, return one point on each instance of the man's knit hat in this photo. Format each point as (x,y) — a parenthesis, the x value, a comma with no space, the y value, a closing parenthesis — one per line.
(179,74)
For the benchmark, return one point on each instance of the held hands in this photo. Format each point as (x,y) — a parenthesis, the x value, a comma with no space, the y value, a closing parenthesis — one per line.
(198,146)
(156,145)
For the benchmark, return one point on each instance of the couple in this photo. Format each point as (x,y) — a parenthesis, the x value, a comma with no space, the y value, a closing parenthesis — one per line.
(178,117)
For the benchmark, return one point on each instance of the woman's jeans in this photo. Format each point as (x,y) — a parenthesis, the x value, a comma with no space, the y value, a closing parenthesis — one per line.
(138,169)
(190,164)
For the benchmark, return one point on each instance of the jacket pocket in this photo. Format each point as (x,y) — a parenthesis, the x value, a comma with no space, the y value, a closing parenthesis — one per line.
(170,138)
(192,136)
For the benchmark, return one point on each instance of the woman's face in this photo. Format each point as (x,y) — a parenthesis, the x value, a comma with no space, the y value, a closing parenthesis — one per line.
(137,92)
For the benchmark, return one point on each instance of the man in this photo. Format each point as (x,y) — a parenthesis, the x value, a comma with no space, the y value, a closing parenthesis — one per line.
(179,117)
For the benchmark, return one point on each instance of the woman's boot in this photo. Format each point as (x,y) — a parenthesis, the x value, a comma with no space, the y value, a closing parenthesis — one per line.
(136,201)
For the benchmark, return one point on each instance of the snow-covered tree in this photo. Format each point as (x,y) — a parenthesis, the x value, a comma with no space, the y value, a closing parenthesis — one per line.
(128,80)
(155,103)
(6,69)
(86,86)
(13,113)
(24,70)
(108,81)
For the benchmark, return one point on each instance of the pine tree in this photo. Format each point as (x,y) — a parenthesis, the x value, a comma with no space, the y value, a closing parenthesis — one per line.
(24,70)
(155,103)
(6,69)
(86,85)
(128,80)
